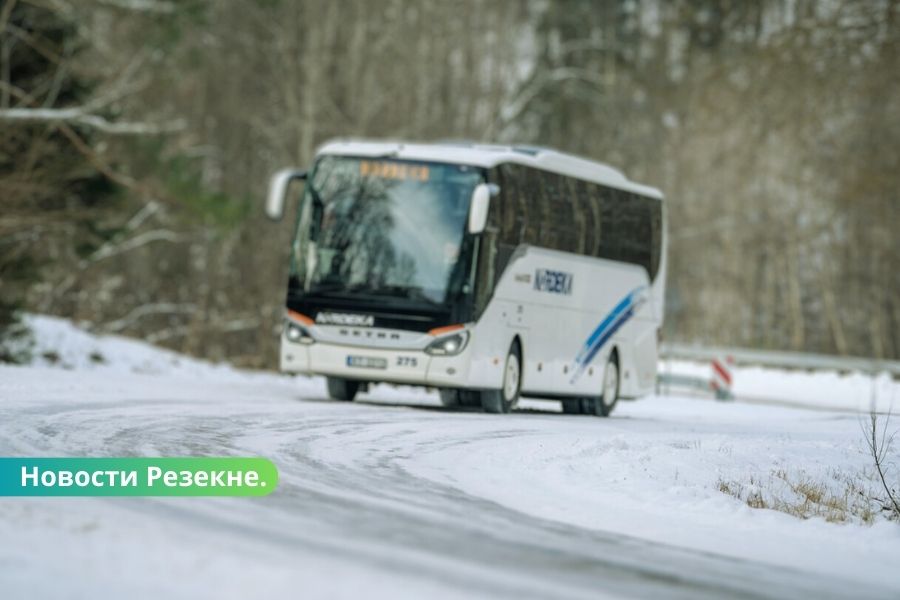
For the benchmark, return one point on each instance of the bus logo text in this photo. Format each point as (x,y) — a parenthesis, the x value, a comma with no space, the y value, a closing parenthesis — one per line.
(329,318)
(555,282)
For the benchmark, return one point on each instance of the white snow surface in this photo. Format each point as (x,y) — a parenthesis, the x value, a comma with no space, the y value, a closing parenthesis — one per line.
(391,497)
(855,392)
(60,343)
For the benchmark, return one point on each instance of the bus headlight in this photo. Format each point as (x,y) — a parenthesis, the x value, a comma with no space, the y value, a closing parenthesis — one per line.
(448,345)
(297,334)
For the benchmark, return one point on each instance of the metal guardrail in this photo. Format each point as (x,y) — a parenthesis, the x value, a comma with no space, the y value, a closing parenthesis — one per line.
(666,381)
(780,359)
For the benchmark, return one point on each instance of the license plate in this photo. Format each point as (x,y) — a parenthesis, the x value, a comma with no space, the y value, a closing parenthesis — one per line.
(367,362)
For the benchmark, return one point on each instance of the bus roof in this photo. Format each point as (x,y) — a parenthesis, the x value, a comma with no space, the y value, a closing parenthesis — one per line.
(490,155)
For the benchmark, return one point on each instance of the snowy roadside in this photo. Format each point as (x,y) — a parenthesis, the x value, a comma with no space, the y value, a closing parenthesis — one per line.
(655,471)
(60,344)
(854,392)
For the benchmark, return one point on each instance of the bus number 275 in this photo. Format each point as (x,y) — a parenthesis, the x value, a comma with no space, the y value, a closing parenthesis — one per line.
(406,361)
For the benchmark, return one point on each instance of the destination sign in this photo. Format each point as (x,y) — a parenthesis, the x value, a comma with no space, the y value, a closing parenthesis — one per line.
(386,169)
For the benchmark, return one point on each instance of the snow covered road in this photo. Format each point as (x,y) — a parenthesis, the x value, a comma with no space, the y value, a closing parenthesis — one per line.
(393,496)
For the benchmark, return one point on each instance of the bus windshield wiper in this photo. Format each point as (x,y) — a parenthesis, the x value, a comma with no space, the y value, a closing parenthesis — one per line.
(386,292)
(398,291)
(330,287)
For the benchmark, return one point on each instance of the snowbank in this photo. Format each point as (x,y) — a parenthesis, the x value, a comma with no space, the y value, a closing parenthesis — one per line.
(815,389)
(58,343)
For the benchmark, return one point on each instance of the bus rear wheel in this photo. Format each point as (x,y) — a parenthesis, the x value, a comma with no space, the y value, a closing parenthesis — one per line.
(604,404)
(342,389)
(598,405)
(506,398)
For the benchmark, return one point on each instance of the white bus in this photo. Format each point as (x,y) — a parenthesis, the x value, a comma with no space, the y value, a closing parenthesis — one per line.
(488,272)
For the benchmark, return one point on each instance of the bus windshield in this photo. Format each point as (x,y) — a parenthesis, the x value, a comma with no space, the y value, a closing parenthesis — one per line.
(383,227)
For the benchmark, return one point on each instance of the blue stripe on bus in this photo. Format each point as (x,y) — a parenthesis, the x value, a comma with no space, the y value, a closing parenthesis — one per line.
(617,317)
(601,328)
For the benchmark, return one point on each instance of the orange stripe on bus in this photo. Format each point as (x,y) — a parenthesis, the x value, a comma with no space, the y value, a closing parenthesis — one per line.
(447,329)
(300,318)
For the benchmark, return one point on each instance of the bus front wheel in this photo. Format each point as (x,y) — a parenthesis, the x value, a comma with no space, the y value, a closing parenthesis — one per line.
(342,389)
(506,398)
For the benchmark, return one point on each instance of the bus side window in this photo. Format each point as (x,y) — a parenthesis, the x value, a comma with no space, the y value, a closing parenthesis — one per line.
(578,215)
(609,223)
(642,241)
(505,239)
(520,202)
(656,228)
(506,202)
(551,210)
(630,226)
(558,212)
(531,206)
(591,212)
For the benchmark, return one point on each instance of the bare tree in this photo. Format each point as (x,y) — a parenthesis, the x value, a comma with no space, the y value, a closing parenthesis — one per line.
(880,444)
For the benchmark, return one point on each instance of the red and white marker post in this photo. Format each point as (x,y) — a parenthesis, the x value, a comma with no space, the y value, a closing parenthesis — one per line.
(722,378)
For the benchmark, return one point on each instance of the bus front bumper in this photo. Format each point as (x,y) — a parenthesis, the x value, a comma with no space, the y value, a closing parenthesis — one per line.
(412,367)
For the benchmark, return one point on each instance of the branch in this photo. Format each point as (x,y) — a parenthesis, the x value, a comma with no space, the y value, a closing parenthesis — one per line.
(879,447)
(155,235)
(110,247)
(154,6)
(165,308)
(95,159)
(5,13)
(79,116)
(117,246)
(33,42)
(132,128)
(182,330)
(538,83)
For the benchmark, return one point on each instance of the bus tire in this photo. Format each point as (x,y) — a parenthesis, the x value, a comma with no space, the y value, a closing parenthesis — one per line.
(507,397)
(606,402)
(450,398)
(469,399)
(455,398)
(572,406)
(342,389)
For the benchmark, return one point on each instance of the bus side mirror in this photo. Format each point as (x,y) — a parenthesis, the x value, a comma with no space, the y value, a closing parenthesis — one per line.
(278,188)
(478,209)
